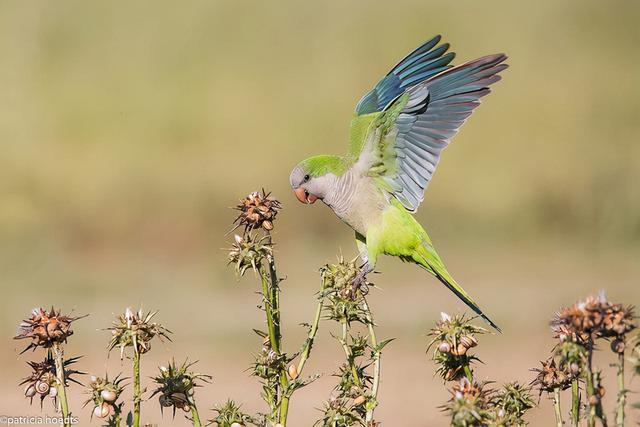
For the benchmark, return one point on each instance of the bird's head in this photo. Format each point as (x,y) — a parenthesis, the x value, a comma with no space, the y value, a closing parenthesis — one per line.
(313,178)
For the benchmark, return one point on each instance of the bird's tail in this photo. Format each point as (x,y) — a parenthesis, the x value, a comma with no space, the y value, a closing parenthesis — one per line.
(428,258)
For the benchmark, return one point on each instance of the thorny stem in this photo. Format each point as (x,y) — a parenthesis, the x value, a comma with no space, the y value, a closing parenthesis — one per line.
(376,360)
(575,402)
(306,349)
(591,416)
(556,406)
(622,392)
(137,392)
(347,352)
(58,355)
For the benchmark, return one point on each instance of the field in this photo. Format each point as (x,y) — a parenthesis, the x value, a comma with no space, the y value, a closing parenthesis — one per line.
(129,129)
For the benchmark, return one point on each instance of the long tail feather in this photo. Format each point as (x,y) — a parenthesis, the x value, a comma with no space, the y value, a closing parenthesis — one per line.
(430,261)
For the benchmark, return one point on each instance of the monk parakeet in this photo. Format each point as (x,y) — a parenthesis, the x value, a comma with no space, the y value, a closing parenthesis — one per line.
(397,134)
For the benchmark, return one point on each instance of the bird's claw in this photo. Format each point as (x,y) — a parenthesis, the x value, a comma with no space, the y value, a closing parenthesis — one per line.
(360,282)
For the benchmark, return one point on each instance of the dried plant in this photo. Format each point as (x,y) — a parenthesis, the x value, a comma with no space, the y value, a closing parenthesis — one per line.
(253,250)
(230,415)
(176,388)
(43,381)
(135,329)
(103,396)
(50,330)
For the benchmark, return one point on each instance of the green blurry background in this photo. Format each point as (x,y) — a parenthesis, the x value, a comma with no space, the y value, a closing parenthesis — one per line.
(127,129)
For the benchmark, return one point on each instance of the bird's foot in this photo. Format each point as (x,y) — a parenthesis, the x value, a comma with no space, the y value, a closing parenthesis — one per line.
(360,282)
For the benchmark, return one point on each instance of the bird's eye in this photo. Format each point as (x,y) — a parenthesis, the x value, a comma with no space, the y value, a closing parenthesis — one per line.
(306,178)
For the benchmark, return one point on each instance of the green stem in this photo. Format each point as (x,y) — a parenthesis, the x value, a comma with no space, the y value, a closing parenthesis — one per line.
(622,392)
(556,407)
(58,354)
(347,352)
(308,344)
(575,402)
(137,391)
(467,372)
(376,360)
(194,413)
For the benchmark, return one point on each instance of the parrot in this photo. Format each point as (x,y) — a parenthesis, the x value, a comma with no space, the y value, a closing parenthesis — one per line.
(397,134)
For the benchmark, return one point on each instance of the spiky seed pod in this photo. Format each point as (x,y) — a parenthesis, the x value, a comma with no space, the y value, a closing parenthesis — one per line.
(45,328)
(550,377)
(43,377)
(257,210)
(617,321)
(230,414)
(136,330)
(469,404)
(176,384)
(513,400)
(344,290)
(249,252)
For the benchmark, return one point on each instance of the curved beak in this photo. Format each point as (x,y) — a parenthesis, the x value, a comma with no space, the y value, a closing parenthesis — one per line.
(304,196)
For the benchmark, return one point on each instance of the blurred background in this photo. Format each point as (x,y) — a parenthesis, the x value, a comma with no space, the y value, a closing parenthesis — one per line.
(129,128)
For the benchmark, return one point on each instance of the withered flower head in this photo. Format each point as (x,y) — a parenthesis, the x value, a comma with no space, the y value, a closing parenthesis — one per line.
(551,377)
(45,328)
(176,385)
(135,329)
(230,414)
(103,394)
(257,210)
(248,252)
(593,317)
(618,320)
(42,381)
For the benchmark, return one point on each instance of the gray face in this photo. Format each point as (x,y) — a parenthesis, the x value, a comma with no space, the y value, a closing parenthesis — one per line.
(308,188)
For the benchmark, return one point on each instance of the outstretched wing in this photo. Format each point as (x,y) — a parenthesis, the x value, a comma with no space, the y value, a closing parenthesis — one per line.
(426,61)
(402,144)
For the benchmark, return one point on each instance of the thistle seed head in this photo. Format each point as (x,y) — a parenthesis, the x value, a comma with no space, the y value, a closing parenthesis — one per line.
(104,394)
(230,415)
(136,330)
(42,380)
(176,385)
(343,293)
(551,377)
(257,210)
(248,252)
(45,328)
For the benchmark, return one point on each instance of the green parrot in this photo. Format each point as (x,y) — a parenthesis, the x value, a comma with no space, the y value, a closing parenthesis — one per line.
(397,134)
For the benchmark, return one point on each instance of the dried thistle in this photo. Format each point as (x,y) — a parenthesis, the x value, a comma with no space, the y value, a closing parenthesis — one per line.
(230,415)
(551,377)
(43,381)
(257,210)
(618,320)
(135,329)
(46,328)
(249,252)
(103,395)
(452,339)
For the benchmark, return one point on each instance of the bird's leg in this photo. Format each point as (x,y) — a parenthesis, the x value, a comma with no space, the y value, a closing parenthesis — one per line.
(360,280)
